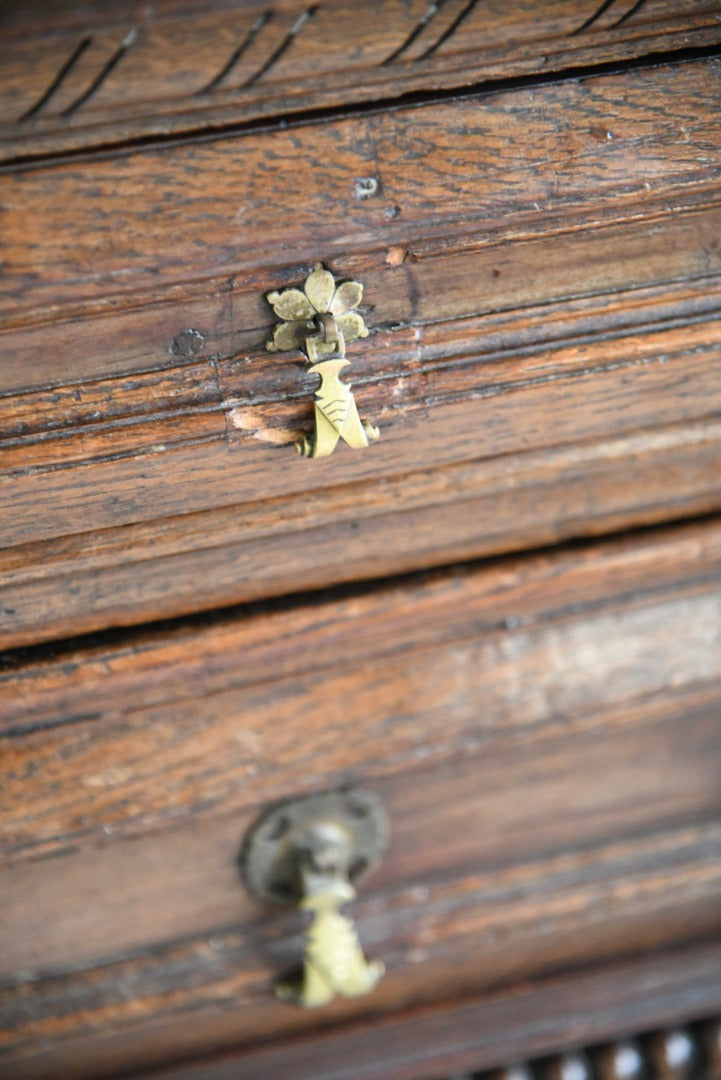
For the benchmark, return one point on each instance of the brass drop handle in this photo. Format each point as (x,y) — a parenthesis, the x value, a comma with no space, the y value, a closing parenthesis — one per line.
(318,320)
(309,852)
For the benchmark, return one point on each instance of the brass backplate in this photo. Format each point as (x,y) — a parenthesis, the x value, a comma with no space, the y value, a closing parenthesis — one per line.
(270,856)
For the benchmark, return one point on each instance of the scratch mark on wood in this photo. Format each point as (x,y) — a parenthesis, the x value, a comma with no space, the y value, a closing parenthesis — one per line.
(251,422)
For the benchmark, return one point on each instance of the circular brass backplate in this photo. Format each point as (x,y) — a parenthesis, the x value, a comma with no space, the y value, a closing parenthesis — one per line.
(269,859)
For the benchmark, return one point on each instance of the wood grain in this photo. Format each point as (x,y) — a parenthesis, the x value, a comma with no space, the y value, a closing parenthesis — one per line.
(568,339)
(527,1017)
(99,75)
(480,167)
(570,701)
(531,195)
(479,1032)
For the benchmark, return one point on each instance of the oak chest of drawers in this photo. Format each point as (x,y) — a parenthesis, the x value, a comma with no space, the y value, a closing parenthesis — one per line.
(502,618)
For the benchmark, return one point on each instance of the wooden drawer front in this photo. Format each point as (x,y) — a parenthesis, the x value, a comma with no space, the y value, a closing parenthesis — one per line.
(543,294)
(543,732)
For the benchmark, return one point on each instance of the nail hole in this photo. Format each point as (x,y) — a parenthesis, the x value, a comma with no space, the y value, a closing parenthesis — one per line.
(187,343)
(366,187)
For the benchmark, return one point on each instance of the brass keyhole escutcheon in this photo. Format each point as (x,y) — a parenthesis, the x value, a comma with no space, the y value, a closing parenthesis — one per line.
(319,320)
(310,852)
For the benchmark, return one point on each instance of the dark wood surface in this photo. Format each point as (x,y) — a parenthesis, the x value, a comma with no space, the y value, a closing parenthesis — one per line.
(107,73)
(543,732)
(504,618)
(481,1032)
(544,314)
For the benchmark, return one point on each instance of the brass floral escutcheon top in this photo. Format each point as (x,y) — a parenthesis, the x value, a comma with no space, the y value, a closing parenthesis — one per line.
(319,320)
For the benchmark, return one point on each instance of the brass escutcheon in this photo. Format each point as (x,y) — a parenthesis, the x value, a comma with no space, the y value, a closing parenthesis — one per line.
(319,320)
(309,852)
